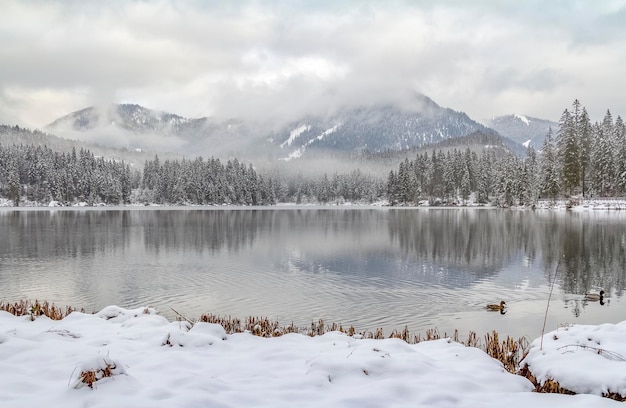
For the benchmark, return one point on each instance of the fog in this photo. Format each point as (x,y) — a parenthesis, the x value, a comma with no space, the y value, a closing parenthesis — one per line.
(273,62)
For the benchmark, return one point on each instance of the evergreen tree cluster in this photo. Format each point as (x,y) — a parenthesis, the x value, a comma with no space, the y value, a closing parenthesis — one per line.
(204,182)
(452,177)
(585,159)
(354,187)
(208,182)
(37,173)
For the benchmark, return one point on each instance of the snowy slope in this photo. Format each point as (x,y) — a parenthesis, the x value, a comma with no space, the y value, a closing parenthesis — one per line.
(377,128)
(525,130)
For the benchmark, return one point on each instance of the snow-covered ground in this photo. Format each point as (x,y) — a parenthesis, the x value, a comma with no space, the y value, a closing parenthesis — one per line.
(561,204)
(584,205)
(147,361)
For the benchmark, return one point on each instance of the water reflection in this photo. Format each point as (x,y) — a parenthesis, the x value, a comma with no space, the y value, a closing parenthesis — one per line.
(392,267)
(589,248)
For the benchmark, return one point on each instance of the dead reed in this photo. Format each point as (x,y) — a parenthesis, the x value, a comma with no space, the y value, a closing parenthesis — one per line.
(508,351)
(36,308)
(89,377)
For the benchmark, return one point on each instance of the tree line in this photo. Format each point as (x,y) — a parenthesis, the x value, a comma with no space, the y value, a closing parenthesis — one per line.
(581,160)
(204,182)
(37,173)
(209,182)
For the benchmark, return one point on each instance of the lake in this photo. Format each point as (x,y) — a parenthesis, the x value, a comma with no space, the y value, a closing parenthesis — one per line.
(368,267)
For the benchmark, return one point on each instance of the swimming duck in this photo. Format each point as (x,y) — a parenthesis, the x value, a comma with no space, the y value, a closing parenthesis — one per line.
(594,297)
(496,308)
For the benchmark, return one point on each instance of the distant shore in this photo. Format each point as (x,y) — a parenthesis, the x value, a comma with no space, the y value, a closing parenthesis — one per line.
(603,203)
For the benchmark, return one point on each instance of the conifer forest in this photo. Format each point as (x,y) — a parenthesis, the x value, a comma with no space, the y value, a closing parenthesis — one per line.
(579,159)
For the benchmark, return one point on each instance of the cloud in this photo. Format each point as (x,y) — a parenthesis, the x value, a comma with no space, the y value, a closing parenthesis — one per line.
(276,61)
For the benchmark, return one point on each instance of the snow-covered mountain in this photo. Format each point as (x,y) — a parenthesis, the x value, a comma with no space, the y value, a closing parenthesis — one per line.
(361,129)
(375,129)
(525,130)
(134,126)
(131,117)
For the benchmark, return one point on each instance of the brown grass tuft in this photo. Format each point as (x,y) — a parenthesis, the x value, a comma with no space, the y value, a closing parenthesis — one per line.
(36,309)
(89,377)
(510,351)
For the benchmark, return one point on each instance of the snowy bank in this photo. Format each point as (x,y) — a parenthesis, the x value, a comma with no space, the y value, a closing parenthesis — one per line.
(136,358)
(584,359)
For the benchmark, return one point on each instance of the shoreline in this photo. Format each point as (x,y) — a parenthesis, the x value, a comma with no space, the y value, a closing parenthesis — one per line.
(596,204)
(127,352)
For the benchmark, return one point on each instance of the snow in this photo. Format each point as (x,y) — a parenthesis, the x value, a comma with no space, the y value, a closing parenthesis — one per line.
(293,135)
(586,359)
(527,143)
(579,204)
(298,152)
(328,132)
(523,119)
(140,359)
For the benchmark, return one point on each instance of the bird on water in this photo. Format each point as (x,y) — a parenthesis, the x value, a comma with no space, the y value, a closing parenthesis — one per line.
(594,297)
(495,307)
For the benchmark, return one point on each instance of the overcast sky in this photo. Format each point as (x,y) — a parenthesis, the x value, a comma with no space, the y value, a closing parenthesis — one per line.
(277,59)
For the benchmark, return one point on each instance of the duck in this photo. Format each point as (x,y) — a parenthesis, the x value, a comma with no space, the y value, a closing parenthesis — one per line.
(496,308)
(594,297)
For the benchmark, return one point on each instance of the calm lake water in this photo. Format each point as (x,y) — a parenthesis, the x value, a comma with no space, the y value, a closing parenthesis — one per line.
(366,267)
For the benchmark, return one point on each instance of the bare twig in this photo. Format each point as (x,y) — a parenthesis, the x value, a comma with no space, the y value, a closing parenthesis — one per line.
(545,318)
(181,315)
(608,354)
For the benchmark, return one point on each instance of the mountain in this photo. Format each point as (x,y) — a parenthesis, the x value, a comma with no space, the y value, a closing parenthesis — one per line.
(368,129)
(136,127)
(131,117)
(375,129)
(525,130)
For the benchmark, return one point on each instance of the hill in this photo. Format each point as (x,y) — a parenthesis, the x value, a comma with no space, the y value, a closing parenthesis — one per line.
(525,130)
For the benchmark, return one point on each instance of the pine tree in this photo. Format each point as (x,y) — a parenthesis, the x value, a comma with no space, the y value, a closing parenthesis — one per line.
(531,177)
(13,181)
(602,160)
(392,189)
(484,182)
(568,150)
(584,142)
(620,142)
(550,183)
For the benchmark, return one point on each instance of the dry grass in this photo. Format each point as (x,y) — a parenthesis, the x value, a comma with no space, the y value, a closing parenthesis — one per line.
(508,351)
(89,377)
(36,308)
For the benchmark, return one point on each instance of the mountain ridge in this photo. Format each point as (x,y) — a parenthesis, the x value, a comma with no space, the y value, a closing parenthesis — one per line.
(360,129)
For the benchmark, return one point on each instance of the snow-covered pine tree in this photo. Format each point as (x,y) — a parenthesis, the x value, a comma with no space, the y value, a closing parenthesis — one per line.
(550,183)
(620,140)
(568,151)
(583,128)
